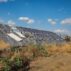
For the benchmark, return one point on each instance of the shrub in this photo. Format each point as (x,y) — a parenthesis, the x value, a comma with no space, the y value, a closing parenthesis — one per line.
(67,38)
(15,64)
(39,50)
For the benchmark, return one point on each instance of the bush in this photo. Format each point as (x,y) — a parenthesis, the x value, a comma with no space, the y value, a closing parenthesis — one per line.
(67,38)
(19,58)
(39,51)
(15,64)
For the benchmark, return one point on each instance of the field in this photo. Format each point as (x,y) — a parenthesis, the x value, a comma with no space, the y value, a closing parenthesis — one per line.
(46,57)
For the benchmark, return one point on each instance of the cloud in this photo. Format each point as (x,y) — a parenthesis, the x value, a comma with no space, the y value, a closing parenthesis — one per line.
(66,21)
(4,1)
(10,22)
(26,20)
(51,21)
(62,31)
(1,21)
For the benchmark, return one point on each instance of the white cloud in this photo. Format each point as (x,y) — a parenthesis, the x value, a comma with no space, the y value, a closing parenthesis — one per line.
(60,31)
(26,20)
(10,22)
(51,21)
(66,21)
(1,21)
(4,1)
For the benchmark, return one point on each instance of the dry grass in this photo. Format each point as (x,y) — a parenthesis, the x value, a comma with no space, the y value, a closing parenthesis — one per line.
(57,58)
(3,44)
(54,63)
(54,49)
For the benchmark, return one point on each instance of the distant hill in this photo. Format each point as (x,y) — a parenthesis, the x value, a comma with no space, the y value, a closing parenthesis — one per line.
(18,36)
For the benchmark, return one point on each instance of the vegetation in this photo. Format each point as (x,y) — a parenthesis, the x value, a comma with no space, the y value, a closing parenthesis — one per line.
(3,44)
(22,58)
(67,38)
(18,58)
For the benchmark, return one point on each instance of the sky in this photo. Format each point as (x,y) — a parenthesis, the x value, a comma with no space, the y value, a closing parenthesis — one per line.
(49,15)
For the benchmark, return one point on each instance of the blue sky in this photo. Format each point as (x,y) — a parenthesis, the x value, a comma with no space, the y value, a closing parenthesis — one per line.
(53,15)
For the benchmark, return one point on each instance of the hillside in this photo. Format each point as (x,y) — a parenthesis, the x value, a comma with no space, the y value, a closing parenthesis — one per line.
(18,36)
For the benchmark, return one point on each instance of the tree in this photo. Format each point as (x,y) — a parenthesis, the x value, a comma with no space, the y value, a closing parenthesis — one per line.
(67,38)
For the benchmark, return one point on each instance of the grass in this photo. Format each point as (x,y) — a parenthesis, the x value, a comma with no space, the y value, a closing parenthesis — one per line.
(3,44)
(46,57)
